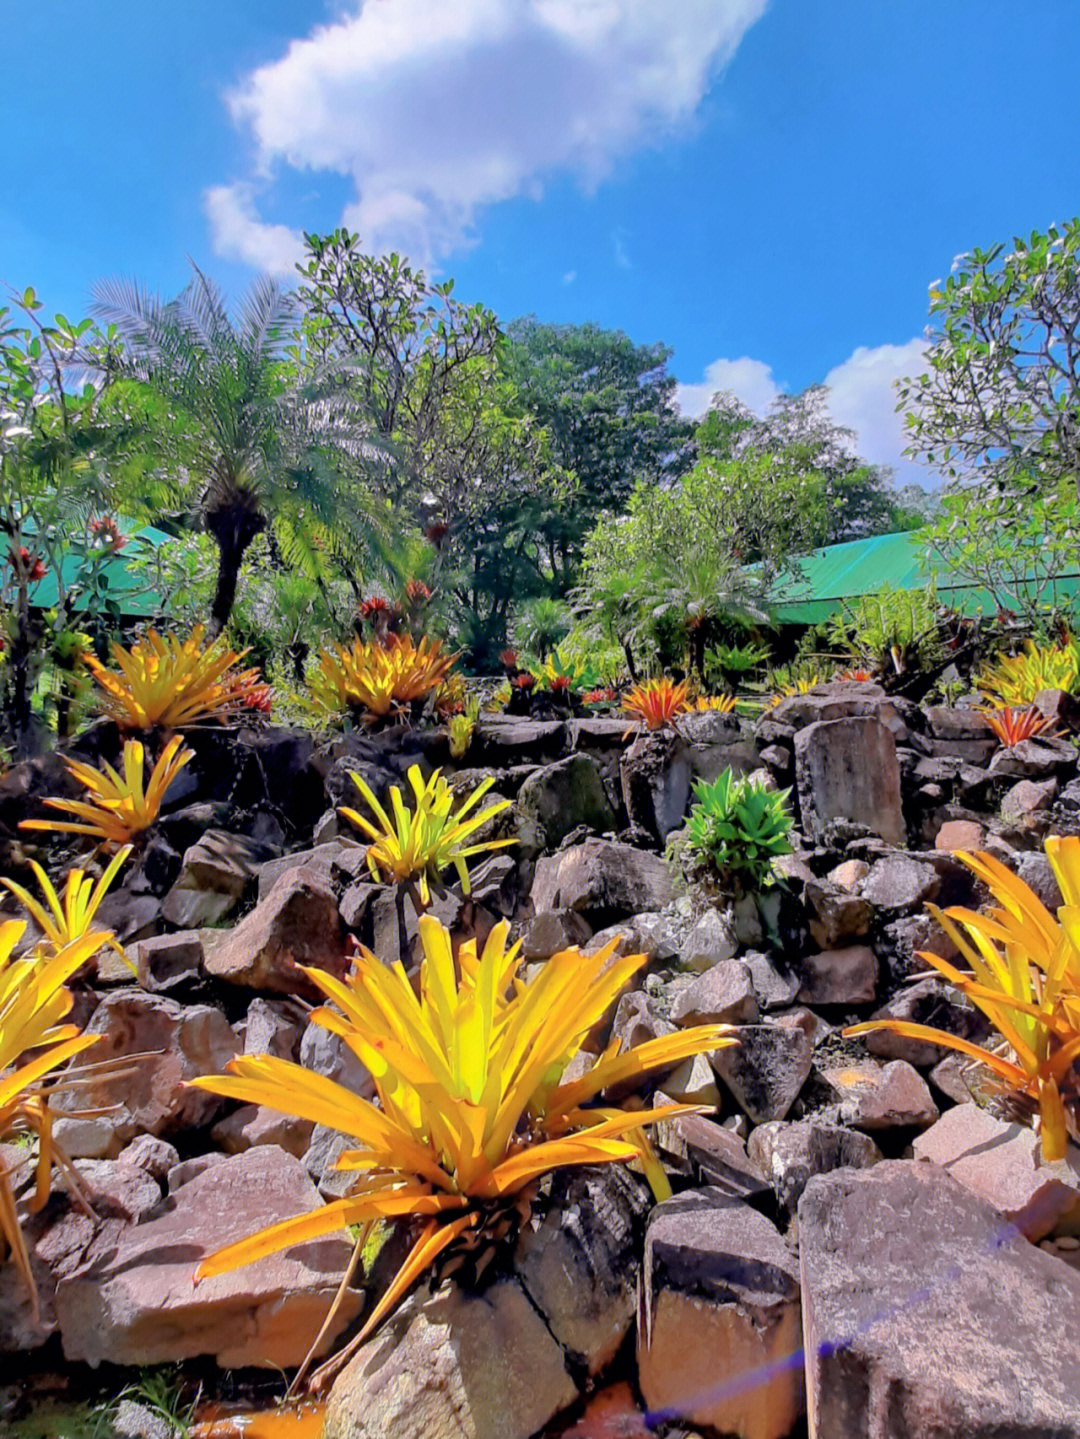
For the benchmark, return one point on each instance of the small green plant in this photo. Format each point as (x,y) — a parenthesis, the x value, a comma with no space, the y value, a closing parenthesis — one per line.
(727,665)
(895,631)
(737,828)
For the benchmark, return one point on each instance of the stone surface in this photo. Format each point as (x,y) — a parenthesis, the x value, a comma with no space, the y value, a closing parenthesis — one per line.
(898,883)
(296,924)
(765,1070)
(553,930)
(924,1317)
(1028,796)
(134,1302)
(718,1156)
(153,1156)
(789,1153)
(873,1096)
(839,976)
(711,941)
(721,1301)
(454,1366)
(775,985)
(178,1042)
(117,1189)
(849,874)
(1002,1164)
(1034,758)
(563,795)
(580,1265)
(274,1027)
(847,769)
(957,834)
(724,994)
(603,880)
(930,1001)
(253,1124)
(836,914)
(168,961)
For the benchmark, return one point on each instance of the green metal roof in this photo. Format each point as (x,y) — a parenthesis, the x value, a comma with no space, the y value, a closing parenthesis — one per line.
(822,581)
(131,591)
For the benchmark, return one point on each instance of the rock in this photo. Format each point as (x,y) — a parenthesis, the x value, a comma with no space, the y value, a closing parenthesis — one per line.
(790,1153)
(356,903)
(847,769)
(273,1027)
(190,909)
(776,987)
(924,1317)
(135,1303)
(721,1304)
(603,880)
(337,860)
(117,1189)
(169,961)
(1060,708)
(962,834)
(92,1138)
(1002,1164)
(929,1001)
(766,1070)
(253,1124)
(580,1265)
(655,776)
(189,1169)
(132,1420)
(837,914)
(1028,796)
(180,1042)
(693,1082)
(130,916)
(724,994)
(897,884)
(222,862)
(153,1156)
(454,1366)
(839,976)
(874,1097)
(296,924)
(1035,870)
(711,941)
(327,1054)
(746,918)
(321,1158)
(1034,758)
(553,930)
(563,795)
(718,1156)
(849,874)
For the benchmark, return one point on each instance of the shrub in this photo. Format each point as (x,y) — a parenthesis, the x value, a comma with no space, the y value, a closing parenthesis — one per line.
(65,918)
(415,847)
(119,807)
(473,1108)
(895,631)
(1016,680)
(657,702)
(1025,977)
(168,683)
(738,827)
(34,1043)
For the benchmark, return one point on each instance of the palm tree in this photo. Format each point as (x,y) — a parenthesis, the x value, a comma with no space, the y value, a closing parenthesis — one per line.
(250,445)
(701,594)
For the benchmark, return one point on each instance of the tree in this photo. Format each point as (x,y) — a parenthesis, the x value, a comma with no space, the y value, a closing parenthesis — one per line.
(609,410)
(407,342)
(851,499)
(999,400)
(249,449)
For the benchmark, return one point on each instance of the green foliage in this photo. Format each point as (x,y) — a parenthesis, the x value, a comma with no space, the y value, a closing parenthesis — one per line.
(543,624)
(1014,546)
(729,665)
(738,827)
(999,399)
(895,631)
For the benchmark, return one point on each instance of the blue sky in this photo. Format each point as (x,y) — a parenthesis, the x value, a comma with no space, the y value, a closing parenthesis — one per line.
(769,186)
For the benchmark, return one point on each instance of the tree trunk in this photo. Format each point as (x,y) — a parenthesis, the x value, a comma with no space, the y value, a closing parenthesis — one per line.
(233,524)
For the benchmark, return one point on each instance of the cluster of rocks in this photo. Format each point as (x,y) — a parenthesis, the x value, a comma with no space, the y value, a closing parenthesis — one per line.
(843,1209)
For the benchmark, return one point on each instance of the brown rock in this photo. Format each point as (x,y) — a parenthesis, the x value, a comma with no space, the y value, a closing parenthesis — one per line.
(960,834)
(721,1303)
(790,1154)
(296,924)
(255,1124)
(723,995)
(766,1069)
(839,976)
(924,1316)
(180,1042)
(553,930)
(849,874)
(1002,1164)
(603,880)
(134,1301)
(454,1366)
(847,769)
(873,1096)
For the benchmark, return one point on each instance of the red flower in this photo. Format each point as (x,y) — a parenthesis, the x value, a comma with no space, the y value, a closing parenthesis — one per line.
(257,696)
(508,658)
(523,682)
(417,592)
(33,565)
(560,684)
(106,529)
(376,605)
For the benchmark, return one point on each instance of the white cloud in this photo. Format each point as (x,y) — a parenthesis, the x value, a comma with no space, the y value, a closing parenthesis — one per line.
(239,234)
(437,108)
(861,398)
(750,381)
(569,277)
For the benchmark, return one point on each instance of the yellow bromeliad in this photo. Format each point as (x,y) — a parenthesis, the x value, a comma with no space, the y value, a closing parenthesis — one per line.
(472,1107)
(373,679)
(120,806)
(166,682)
(1016,680)
(723,704)
(417,845)
(1025,977)
(33,1002)
(63,918)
